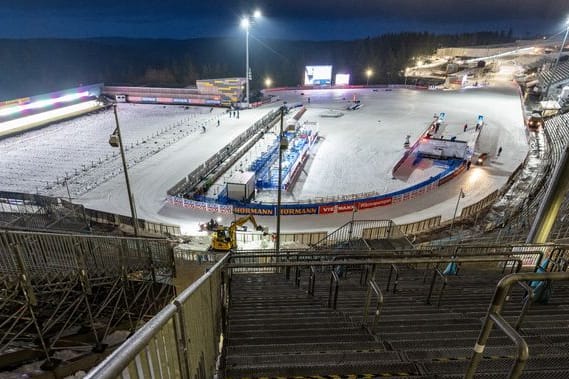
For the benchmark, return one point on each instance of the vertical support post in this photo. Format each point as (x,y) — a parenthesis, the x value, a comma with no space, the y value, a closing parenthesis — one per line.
(247,65)
(128,189)
(279,189)
(460,196)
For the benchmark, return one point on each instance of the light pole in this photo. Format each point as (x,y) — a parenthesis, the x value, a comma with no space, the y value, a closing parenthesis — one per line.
(554,71)
(246,23)
(116,141)
(283,145)
(461,195)
(369,73)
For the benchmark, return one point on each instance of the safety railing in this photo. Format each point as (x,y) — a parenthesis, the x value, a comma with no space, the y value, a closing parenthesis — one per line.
(373,287)
(182,341)
(528,301)
(312,280)
(437,273)
(493,316)
(333,289)
(367,272)
(392,269)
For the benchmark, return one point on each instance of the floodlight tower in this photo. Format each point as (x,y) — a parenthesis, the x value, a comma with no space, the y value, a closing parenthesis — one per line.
(246,22)
(554,71)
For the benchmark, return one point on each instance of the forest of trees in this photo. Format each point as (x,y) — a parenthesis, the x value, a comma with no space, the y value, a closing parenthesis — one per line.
(37,66)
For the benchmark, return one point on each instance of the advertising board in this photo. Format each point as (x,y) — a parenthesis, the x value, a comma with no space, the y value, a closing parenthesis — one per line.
(317,75)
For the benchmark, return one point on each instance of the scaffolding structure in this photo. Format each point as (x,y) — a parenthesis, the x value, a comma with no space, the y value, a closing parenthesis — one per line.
(59,291)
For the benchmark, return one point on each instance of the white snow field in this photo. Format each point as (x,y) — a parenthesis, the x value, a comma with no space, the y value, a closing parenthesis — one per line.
(355,155)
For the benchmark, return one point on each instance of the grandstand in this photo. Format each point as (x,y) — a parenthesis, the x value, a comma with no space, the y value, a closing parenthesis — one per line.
(556,79)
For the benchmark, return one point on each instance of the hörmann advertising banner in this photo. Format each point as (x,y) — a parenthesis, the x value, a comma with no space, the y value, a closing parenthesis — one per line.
(318,75)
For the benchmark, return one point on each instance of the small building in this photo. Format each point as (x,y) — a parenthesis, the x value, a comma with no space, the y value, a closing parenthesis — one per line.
(241,186)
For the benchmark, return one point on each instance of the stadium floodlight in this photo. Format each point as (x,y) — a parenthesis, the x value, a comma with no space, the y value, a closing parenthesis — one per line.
(369,73)
(246,23)
(268,82)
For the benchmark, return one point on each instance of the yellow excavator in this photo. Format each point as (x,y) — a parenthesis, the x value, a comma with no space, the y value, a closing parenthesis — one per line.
(224,238)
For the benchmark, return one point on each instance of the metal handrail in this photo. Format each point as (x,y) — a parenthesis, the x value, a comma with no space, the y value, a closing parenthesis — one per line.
(437,272)
(527,303)
(380,261)
(312,281)
(365,274)
(333,289)
(493,316)
(393,268)
(373,286)
(127,353)
(297,273)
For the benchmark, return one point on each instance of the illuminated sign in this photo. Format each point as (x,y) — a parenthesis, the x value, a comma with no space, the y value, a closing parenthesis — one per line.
(342,79)
(317,75)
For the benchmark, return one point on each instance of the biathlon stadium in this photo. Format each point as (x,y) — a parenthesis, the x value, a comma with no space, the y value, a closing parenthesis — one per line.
(388,217)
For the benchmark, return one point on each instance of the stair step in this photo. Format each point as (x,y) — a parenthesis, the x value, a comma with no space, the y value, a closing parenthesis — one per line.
(304,358)
(315,330)
(293,348)
(498,365)
(324,369)
(350,336)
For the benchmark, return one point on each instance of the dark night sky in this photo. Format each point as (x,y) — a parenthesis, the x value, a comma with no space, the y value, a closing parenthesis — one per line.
(289,19)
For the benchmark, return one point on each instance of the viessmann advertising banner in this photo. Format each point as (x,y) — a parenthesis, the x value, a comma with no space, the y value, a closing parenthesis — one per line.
(317,75)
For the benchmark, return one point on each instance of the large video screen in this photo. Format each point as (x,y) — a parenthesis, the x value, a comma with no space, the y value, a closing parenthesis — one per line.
(318,75)
(342,79)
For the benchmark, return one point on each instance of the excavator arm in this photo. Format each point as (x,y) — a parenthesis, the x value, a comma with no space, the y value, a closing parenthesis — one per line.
(220,242)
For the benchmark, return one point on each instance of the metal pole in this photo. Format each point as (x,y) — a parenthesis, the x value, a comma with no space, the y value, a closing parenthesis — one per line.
(551,204)
(350,231)
(279,189)
(554,71)
(247,65)
(130,197)
(460,195)
(67,186)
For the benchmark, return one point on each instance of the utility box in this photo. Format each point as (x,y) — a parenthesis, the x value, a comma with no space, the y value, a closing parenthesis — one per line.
(241,186)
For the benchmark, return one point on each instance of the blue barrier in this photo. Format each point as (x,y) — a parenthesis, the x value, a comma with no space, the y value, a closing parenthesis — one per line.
(453,169)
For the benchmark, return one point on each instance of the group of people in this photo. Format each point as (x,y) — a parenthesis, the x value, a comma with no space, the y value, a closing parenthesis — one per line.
(233,113)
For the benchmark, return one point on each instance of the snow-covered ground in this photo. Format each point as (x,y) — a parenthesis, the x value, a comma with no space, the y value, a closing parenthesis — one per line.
(356,154)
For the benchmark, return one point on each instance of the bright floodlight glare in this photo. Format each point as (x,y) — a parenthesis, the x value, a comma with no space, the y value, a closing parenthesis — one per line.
(219,219)
(369,72)
(245,22)
(268,82)
(257,13)
(47,116)
(43,103)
